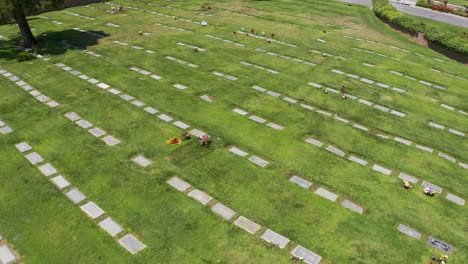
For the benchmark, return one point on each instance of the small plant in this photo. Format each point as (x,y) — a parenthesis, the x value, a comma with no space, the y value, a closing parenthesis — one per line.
(24,56)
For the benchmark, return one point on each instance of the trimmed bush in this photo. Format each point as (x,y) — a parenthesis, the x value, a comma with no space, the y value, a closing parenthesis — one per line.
(385,11)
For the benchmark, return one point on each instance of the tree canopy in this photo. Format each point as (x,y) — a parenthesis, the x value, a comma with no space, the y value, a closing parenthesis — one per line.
(17,10)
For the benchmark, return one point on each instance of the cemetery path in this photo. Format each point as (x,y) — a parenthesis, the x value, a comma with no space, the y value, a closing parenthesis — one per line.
(419,12)
(433,15)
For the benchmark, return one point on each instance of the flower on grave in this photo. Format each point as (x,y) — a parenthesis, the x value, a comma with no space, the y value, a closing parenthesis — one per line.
(234,32)
(252,30)
(272,35)
(263,33)
(140,33)
(268,41)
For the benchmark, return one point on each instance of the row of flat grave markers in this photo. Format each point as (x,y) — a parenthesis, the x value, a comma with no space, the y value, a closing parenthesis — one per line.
(356,125)
(362,101)
(68,45)
(375,53)
(91,209)
(224,40)
(25,86)
(121,43)
(308,63)
(237,13)
(4,129)
(383,170)
(442,127)
(254,159)
(451,108)
(393,47)
(191,46)
(191,65)
(172,27)
(267,39)
(371,82)
(449,74)
(168,16)
(132,100)
(7,255)
(146,73)
(94,34)
(258,67)
(433,242)
(224,75)
(257,119)
(326,194)
(420,81)
(322,53)
(78,15)
(95,131)
(242,222)
(112,25)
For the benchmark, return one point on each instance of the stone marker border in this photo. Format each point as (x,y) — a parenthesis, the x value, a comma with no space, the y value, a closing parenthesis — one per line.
(242,222)
(409,231)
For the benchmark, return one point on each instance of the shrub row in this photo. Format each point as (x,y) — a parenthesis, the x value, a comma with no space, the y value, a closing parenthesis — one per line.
(385,11)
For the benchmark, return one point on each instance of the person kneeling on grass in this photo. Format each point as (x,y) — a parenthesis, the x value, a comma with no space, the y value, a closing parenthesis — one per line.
(407,185)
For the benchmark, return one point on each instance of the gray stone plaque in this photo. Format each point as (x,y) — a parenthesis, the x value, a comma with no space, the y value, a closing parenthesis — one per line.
(248,225)
(275,238)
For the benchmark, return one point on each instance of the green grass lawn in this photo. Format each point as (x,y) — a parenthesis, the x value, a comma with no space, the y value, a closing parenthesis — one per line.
(43,226)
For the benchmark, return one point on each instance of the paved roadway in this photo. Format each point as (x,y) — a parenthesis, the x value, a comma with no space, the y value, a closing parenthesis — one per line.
(419,11)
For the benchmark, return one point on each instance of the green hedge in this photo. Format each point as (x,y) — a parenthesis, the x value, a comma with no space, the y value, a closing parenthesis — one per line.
(384,10)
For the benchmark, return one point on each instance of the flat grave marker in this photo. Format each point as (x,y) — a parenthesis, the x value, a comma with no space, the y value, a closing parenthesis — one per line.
(409,231)
(142,161)
(97,132)
(258,161)
(326,194)
(23,147)
(306,255)
(60,182)
(335,151)
(110,140)
(272,237)
(34,158)
(246,224)
(222,210)
(131,244)
(92,210)
(47,169)
(75,196)
(110,226)
(455,199)
(200,196)
(439,244)
(179,184)
(381,169)
(301,182)
(352,206)
(6,255)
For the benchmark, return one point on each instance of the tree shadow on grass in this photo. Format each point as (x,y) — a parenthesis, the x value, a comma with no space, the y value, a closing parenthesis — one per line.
(50,43)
